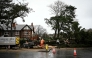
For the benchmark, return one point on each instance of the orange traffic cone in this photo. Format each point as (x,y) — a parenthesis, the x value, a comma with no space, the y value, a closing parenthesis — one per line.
(75,52)
(53,51)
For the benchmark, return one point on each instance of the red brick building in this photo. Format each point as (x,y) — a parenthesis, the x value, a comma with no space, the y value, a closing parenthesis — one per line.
(22,31)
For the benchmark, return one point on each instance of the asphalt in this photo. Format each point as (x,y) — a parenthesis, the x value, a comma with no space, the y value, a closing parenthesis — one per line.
(38,53)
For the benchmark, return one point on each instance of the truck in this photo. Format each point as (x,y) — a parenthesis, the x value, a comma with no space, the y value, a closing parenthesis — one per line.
(9,42)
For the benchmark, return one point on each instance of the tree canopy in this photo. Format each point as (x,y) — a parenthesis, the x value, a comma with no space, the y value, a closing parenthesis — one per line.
(9,11)
(63,19)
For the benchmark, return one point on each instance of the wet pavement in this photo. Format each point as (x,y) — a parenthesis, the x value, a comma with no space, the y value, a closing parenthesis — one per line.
(37,53)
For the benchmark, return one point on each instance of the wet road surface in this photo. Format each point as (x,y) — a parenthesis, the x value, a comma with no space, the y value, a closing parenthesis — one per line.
(60,53)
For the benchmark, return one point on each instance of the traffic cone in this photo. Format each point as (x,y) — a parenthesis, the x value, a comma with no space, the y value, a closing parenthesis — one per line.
(53,51)
(75,52)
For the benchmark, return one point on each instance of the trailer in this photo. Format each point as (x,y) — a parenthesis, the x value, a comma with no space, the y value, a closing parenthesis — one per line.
(9,42)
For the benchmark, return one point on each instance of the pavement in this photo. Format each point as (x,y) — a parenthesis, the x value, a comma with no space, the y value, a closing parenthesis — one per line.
(35,49)
(19,50)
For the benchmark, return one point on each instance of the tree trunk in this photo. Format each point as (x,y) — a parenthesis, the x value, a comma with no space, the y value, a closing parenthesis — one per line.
(55,33)
(58,33)
(11,28)
(58,28)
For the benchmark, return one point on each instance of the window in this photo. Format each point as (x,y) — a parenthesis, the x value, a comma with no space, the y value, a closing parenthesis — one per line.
(29,33)
(17,33)
(25,33)
(6,33)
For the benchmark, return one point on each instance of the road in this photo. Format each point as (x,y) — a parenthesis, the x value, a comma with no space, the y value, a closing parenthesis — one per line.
(37,53)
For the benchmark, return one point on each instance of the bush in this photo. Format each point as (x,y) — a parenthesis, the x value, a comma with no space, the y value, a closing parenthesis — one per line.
(51,42)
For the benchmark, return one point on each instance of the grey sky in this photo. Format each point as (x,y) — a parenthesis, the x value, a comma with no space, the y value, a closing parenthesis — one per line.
(83,12)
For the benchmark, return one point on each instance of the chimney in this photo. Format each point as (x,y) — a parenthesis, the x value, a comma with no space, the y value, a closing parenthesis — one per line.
(32,26)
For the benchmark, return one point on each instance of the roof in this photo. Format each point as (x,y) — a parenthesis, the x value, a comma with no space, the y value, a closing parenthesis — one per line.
(18,27)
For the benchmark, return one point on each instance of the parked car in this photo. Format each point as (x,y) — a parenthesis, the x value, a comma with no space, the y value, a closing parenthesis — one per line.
(31,44)
(28,45)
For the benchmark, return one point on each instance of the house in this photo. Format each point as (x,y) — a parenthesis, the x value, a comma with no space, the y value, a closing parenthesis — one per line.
(22,31)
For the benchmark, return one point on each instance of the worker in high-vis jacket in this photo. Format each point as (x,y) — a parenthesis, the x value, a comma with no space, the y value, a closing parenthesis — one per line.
(42,43)
(46,47)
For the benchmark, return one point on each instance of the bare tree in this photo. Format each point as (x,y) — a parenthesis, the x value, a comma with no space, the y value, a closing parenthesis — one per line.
(39,30)
(64,16)
(57,9)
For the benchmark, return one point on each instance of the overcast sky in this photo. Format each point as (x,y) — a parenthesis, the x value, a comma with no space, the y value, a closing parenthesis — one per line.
(83,12)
